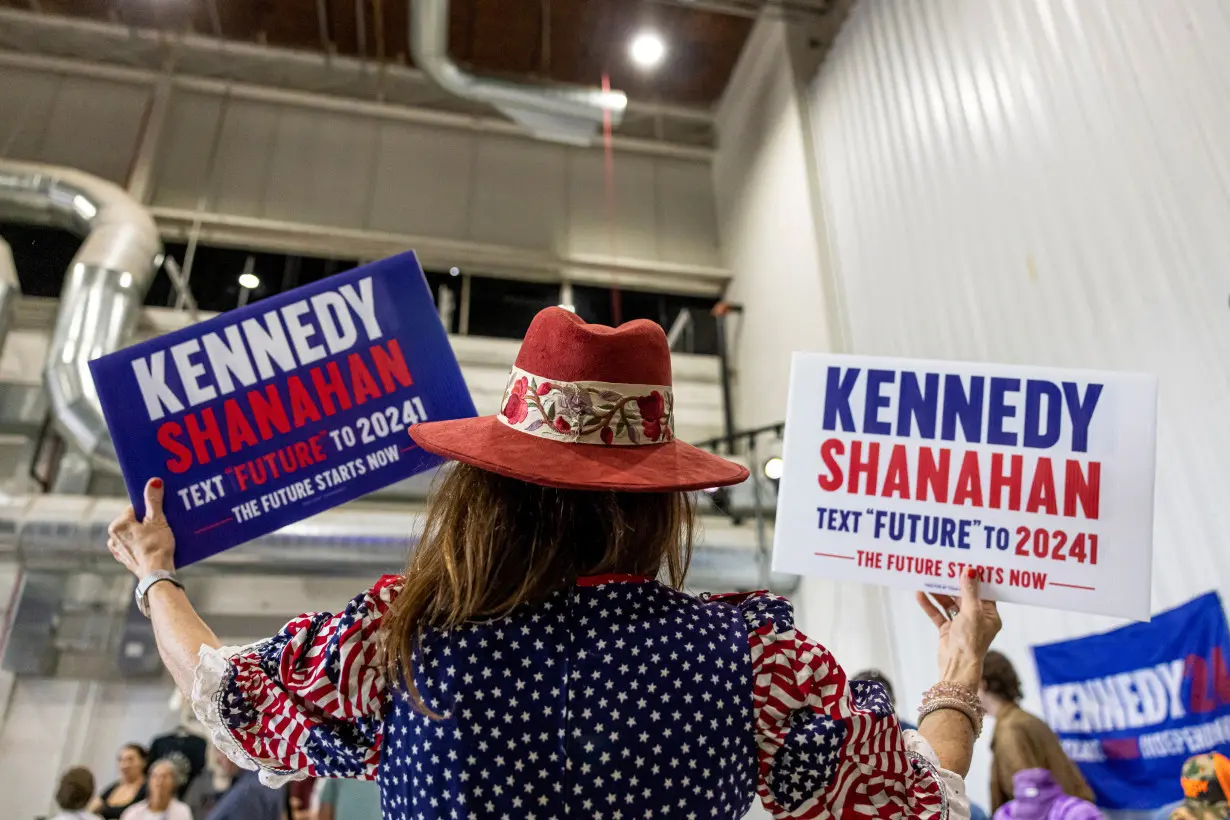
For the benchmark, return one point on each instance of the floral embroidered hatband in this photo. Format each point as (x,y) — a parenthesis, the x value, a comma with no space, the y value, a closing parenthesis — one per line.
(589,412)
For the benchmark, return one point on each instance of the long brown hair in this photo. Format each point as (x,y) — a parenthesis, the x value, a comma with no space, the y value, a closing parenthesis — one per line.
(492,544)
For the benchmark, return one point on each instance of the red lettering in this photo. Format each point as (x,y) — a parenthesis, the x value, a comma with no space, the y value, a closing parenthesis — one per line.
(969,481)
(898,479)
(1079,487)
(333,388)
(210,433)
(829,451)
(362,384)
(1011,481)
(932,477)
(1221,678)
(302,453)
(268,412)
(1201,699)
(258,471)
(272,461)
(168,436)
(241,476)
(301,406)
(317,452)
(1042,490)
(391,365)
(858,467)
(238,431)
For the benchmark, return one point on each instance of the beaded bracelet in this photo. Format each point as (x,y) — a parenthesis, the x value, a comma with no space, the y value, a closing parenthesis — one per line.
(955,696)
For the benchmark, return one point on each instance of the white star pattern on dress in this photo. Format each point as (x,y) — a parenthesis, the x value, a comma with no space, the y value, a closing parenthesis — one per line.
(615,699)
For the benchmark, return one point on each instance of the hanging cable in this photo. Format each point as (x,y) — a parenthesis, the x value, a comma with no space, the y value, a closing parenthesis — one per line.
(608,151)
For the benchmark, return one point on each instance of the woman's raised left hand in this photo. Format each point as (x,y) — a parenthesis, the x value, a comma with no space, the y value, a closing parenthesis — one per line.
(144,546)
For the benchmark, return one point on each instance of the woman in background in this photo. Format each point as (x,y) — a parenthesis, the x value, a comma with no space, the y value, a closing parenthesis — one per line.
(129,789)
(1021,740)
(161,804)
(74,793)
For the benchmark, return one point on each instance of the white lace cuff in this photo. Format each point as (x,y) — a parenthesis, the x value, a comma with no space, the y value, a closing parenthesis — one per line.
(212,674)
(952,784)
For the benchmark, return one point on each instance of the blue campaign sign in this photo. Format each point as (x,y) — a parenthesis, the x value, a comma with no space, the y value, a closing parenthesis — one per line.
(271,413)
(1131,705)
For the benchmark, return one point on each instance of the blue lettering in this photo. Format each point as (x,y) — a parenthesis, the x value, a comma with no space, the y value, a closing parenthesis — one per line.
(880,525)
(837,398)
(1081,412)
(962,406)
(875,399)
(1000,410)
(918,404)
(1042,431)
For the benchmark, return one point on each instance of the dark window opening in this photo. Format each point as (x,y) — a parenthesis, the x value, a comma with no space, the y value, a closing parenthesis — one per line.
(594,304)
(504,308)
(498,308)
(42,256)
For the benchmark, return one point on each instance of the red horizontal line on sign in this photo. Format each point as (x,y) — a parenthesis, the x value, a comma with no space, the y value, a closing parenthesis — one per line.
(831,555)
(226,520)
(409,447)
(1073,586)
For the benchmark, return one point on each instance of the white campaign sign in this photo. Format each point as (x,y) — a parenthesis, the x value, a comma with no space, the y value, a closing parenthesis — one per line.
(905,472)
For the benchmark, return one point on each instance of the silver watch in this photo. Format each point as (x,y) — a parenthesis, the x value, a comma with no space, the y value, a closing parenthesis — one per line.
(143,587)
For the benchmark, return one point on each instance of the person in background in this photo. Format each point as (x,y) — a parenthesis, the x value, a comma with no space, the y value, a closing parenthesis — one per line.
(1021,740)
(160,802)
(876,676)
(247,799)
(1206,788)
(1039,797)
(129,789)
(74,793)
(299,799)
(349,800)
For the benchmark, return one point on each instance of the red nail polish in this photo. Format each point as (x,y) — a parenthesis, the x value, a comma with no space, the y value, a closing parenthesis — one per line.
(971,572)
(156,483)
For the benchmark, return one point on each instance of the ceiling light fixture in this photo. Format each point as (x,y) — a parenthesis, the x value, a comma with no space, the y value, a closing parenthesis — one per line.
(249,280)
(647,49)
(773,468)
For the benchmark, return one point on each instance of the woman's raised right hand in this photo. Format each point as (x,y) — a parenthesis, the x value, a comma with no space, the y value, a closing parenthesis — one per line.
(966,626)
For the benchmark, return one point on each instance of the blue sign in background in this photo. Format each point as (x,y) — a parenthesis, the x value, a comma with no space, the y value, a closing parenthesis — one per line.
(1141,764)
(213,501)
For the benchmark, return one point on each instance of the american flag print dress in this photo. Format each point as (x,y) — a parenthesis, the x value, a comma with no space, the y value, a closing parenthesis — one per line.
(618,698)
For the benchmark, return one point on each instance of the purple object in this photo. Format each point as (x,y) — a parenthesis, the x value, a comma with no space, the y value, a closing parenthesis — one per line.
(1038,797)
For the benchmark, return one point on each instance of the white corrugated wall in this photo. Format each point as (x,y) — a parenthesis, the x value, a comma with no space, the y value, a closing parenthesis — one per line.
(1049,183)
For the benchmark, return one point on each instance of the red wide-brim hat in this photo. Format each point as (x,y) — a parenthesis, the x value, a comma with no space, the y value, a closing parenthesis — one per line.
(587,407)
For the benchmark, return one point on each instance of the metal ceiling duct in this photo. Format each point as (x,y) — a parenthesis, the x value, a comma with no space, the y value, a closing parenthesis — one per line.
(64,533)
(103,291)
(570,114)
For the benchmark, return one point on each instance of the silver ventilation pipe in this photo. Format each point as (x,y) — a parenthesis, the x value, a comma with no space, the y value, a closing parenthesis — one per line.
(61,533)
(569,114)
(103,291)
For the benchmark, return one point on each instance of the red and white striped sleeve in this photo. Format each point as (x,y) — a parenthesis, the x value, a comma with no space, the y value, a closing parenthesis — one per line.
(307,702)
(828,747)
